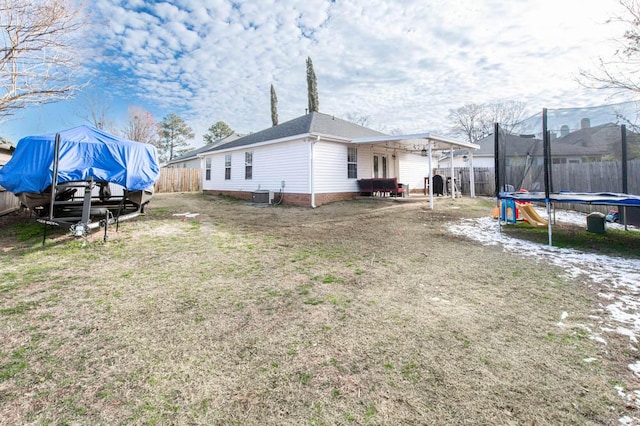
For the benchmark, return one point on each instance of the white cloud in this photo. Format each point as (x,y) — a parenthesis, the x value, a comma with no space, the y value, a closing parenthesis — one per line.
(403,63)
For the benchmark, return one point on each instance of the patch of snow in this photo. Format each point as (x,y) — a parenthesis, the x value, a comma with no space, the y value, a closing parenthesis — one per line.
(635,367)
(188,215)
(598,339)
(625,420)
(618,277)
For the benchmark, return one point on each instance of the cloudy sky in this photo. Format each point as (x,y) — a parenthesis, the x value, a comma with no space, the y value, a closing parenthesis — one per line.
(402,63)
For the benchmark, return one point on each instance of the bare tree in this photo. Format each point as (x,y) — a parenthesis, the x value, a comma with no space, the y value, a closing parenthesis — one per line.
(475,121)
(468,121)
(507,113)
(95,108)
(141,126)
(359,119)
(38,57)
(620,73)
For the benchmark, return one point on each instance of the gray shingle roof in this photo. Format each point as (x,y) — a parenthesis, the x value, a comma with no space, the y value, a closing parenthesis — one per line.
(314,122)
(598,140)
(210,146)
(517,145)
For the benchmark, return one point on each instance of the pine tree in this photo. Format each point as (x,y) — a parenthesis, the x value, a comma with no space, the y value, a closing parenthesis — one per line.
(274,106)
(174,133)
(312,87)
(217,131)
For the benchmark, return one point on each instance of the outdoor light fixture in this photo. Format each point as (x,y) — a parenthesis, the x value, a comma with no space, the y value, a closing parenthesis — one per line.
(424,152)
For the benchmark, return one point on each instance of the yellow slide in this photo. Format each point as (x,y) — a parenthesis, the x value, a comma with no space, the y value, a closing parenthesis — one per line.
(531,215)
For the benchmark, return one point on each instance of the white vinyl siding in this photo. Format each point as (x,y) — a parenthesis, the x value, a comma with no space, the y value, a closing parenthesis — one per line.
(330,168)
(413,169)
(271,164)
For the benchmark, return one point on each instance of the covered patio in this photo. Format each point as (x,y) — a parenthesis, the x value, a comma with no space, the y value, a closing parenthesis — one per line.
(423,145)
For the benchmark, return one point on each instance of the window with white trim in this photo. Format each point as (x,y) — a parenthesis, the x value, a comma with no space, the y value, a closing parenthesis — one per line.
(227,167)
(352,163)
(207,168)
(248,165)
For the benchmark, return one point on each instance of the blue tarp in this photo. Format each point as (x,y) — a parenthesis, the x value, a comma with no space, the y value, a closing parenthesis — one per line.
(84,152)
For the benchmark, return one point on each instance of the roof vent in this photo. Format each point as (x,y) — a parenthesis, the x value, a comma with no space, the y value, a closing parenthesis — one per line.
(564,130)
(585,123)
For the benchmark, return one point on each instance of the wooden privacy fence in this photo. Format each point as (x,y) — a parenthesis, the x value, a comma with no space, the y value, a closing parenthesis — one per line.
(600,176)
(8,201)
(179,180)
(484,179)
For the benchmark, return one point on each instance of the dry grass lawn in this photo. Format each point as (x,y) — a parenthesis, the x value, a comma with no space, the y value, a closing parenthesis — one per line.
(360,312)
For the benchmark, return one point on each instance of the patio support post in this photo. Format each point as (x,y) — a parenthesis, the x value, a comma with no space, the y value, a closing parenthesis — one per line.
(453,177)
(430,179)
(472,178)
(546,149)
(625,172)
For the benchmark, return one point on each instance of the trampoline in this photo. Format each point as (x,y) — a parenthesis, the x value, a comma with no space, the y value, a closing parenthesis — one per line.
(595,198)
(588,152)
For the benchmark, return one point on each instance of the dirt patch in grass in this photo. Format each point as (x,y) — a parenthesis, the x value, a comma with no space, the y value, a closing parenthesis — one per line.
(362,312)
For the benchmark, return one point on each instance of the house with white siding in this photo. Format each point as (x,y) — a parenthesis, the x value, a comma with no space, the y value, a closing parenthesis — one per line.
(316,159)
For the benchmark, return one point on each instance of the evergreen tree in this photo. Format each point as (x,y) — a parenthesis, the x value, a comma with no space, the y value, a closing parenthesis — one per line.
(174,133)
(217,131)
(312,87)
(274,106)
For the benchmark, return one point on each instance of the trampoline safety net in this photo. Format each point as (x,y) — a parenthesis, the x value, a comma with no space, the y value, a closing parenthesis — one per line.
(591,150)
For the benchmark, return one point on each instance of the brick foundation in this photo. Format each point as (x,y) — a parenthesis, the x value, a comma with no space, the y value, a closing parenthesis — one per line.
(332,197)
(302,200)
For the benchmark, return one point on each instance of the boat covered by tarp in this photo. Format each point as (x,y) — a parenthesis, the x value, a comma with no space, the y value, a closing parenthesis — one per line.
(82,178)
(85,152)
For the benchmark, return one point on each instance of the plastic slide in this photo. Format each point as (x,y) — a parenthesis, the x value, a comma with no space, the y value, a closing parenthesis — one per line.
(531,215)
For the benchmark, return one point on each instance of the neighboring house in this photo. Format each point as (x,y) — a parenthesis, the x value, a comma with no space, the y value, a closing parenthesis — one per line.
(316,159)
(190,160)
(6,151)
(519,148)
(8,201)
(587,144)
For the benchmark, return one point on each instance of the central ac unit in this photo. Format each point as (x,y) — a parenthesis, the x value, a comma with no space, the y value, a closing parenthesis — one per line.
(262,197)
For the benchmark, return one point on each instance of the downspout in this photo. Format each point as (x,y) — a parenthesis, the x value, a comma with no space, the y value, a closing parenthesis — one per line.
(430,179)
(453,178)
(311,189)
(472,176)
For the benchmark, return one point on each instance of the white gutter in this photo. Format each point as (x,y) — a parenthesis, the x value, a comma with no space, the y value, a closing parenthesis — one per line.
(330,138)
(252,145)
